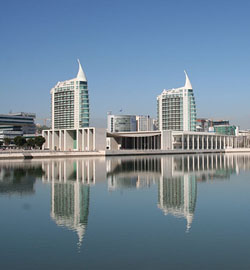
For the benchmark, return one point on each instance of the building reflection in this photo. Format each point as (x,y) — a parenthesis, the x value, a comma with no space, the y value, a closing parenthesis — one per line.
(18,178)
(70,206)
(177,196)
(71,181)
(176,177)
(124,173)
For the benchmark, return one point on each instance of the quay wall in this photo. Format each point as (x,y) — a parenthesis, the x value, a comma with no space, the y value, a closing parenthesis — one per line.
(8,155)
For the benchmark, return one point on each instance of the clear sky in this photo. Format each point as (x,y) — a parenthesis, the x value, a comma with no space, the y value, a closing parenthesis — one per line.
(130,50)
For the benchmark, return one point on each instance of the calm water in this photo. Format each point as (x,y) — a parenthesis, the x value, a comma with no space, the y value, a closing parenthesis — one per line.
(169,212)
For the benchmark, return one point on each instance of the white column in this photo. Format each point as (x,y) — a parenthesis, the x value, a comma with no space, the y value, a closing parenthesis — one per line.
(212,142)
(203,139)
(193,142)
(198,142)
(65,141)
(207,143)
(187,142)
(182,141)
(216,142)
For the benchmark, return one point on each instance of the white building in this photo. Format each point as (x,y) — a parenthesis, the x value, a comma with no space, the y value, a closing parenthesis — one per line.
(70,103)
(144,123)
(176,108)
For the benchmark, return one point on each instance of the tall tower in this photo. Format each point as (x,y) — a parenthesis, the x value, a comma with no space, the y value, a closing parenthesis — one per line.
(70,102)
(176,109)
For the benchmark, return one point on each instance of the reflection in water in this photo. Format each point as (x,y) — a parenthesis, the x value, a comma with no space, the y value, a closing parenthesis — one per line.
(176,177)
(70,190)
(177,196)
(19,178)
(71,181)
(70,206)
(78,201)
(132,172)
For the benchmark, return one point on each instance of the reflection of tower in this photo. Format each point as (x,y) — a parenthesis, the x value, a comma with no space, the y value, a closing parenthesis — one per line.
(70,206)
(70,187)
(177,196)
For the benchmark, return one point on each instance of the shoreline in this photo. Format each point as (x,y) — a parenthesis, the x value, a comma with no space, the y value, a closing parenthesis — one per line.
(29,154)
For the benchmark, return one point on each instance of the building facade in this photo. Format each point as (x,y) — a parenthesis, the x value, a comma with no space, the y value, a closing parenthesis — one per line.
(17,124)
(171,140)
(217,126)
(226,129)
(121,123)
(70,103)
(176,109)
(144,123)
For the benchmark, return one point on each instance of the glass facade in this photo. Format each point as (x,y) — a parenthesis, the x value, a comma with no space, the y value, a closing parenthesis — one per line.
(84,105)
(65,97)
(121,123)
(176,110)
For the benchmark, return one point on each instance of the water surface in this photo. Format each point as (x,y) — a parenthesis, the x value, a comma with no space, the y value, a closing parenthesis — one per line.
(156,212)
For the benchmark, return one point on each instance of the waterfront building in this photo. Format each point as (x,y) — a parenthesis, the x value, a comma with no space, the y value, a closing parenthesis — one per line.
(81,139)
(121,123)
(226,129)
(176,109)
(144,123)
(218,126)
(70,103)
(17,124)
(171,140)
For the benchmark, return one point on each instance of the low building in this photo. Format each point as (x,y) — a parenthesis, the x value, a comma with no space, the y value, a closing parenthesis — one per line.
(121,123)
(82,139)
(217,126)
(17,124)
(226,129)
(170,140)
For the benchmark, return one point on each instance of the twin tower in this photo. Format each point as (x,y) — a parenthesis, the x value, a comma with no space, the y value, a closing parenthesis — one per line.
(176,109)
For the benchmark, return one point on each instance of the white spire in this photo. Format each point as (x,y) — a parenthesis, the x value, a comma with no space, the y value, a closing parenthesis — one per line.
(188,84)
(80,75)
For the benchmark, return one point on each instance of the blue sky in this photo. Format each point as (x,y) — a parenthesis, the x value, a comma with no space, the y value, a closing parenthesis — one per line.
(130,51)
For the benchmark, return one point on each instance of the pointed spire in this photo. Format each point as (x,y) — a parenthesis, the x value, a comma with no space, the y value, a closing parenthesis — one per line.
(188,84)
(80,75)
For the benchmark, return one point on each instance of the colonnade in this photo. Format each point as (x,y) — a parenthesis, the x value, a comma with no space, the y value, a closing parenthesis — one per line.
(203,142)
(199,163)
(141,142)
(68,140)
(82,171)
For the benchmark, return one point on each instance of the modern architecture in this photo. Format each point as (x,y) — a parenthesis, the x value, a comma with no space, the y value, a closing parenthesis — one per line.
(70,103)
(176,109)
(121,123)
(17,124)
(217,126)
(145,123)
